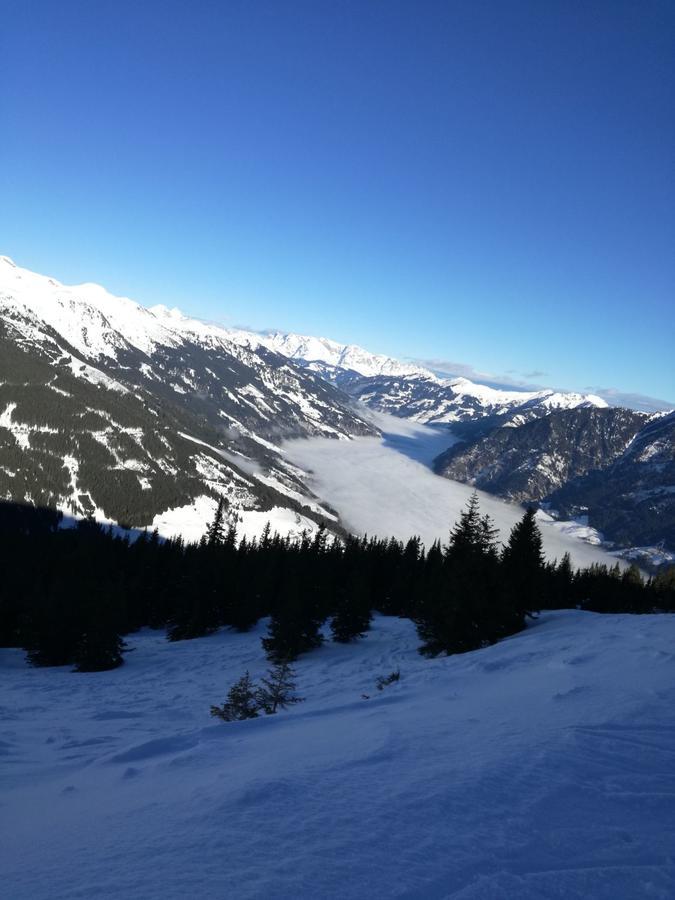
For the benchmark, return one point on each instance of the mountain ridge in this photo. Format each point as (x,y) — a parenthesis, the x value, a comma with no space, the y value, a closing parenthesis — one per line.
(109,409)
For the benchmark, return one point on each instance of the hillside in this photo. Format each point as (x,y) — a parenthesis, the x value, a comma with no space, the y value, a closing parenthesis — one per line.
(633,499)
(528,462)
(538,768)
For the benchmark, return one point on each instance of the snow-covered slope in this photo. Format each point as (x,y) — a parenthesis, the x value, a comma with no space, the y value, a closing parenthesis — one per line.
(536,769)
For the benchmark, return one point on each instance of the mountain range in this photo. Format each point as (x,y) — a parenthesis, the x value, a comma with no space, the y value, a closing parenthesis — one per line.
(130,414)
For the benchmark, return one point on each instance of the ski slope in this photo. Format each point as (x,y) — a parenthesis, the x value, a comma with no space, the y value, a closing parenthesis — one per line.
(539,768)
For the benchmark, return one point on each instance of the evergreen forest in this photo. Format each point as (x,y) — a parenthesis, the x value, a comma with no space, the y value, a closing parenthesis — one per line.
(70,596)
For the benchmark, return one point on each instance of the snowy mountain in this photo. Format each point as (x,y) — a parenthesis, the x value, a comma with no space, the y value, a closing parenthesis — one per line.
(328,355)
(614,467)
(435,401)
(410,391)
(111,409)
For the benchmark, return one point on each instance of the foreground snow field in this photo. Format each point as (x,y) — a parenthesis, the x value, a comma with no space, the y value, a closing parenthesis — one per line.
(541,767)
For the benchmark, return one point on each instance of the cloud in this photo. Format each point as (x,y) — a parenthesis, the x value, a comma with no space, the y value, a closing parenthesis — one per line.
(384,486)
(641,402)
(614,396)
(450,369)
(536,373)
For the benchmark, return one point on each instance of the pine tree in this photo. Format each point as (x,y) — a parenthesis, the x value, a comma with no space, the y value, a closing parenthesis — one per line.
(195,613)
(99,649)
(242,701)
(523,566)
(278,690)
(663,588)
(353,616)
(467,538)
(462,615)
(215,535)
(53,626)
(294,626)
(561,585)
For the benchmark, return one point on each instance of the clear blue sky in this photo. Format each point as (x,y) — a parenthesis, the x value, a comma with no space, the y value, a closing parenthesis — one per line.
(487,183)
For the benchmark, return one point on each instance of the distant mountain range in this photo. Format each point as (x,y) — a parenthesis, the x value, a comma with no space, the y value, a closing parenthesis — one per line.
(413,392)
(133,415)
(569,452)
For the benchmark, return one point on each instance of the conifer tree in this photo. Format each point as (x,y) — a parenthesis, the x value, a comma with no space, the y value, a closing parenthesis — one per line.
(463,615)
(523,566)
(294,625)
(242,701)
(467,538)
(561,584)
(100,648)
(195,614)
(353,616)
(215,535)
(278,689)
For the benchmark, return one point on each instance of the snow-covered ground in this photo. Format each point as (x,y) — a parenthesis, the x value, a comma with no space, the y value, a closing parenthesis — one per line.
(384,486)
(539,768)
(192,520)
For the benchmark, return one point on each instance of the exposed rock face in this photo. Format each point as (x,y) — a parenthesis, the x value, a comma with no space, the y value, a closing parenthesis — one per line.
(632,501)
(530,461)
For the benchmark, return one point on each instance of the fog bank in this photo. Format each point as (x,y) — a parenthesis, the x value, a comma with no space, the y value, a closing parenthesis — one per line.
(384,486)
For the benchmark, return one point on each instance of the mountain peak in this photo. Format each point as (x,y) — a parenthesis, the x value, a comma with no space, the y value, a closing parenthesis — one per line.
(342,356)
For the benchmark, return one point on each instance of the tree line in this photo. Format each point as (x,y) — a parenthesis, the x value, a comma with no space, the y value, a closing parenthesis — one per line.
(71,596)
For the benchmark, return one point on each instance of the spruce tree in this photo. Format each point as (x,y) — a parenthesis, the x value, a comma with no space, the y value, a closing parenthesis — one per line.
(242,701)
(278,689)
(294,626)
(523,567)
(353,616)
(216,531)
(195,613)
(100,648)
(463,614)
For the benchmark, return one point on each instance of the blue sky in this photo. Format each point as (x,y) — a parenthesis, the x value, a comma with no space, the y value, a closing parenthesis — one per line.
(485,184)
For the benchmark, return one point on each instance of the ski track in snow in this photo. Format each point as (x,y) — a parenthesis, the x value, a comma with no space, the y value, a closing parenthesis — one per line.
(384,486)
(539,768)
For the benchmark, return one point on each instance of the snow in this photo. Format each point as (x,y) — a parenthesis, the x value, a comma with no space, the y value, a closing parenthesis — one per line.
(192,520)
(384,486)
(539,768)
(252,522)
(189,521)
(344,356)
(93,321)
